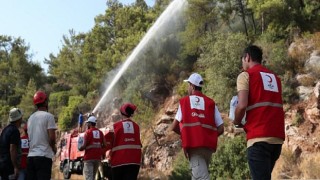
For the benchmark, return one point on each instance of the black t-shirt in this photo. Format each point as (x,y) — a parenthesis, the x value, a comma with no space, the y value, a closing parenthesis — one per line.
(9,135)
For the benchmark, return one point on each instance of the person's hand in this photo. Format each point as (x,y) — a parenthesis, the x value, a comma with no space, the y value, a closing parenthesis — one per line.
(16,174)
(186,154)
(54,149)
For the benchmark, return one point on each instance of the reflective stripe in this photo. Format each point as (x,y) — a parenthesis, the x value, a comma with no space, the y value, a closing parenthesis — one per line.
(126,147)
(261,104)
(93,146)
(24,153)
(198,124)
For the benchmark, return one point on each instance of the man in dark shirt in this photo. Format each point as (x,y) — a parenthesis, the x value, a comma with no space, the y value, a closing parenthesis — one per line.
(10,146)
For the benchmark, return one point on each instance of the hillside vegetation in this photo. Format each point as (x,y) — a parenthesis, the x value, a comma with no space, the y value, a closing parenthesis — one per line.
(207,38)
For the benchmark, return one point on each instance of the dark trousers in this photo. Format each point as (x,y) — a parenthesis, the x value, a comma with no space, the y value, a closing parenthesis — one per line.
(5,173)
(262,157)
(6,168)
(126,172)
(39,168)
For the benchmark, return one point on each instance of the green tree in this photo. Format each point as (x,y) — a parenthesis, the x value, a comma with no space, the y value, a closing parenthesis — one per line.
(26,103)
(68,116)
(201,19)
(221,64)
(16,70)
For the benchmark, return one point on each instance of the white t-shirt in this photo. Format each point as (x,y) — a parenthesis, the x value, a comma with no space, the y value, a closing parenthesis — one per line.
(217,116)
(38,125)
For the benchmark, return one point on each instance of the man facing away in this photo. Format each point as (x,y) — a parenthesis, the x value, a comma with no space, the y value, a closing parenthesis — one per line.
(259,96)
(42,139)
(199,123)
(93,142)
(126,146)
(10,148)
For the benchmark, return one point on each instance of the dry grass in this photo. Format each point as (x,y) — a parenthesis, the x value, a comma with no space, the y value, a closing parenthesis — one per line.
(286,167)
(310,167)
(290,167)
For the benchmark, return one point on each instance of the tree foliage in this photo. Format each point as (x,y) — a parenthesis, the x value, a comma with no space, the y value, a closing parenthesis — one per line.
(68,116)
(221,64)
(16,70)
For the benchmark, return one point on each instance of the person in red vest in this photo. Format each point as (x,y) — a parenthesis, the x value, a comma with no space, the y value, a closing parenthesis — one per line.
(199,123)
(259,97)
(126,146)
(93,141)
(25,150)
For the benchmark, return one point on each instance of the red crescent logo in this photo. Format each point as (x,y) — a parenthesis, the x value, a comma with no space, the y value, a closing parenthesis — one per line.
(128,125)
(198,100)
(270,79)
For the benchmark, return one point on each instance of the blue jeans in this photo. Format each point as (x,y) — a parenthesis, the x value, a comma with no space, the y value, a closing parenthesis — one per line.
(22,174)
(262,157)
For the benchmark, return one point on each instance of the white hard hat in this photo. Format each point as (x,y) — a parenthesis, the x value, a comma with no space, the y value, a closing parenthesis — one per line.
(92,119)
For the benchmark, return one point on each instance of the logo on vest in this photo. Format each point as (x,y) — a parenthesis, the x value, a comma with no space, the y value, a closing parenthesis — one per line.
(129,139)
(128,127)
(24,143)
(196,102)
(194,114)
(269,82)
(96,134)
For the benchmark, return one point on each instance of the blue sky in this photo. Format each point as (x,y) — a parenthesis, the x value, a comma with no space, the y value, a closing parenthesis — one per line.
(42,23)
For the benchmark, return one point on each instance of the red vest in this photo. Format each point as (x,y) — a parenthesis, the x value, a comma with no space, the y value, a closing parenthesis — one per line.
(25,151)
(264,114)
(198,128)
(126,148)
(94,137)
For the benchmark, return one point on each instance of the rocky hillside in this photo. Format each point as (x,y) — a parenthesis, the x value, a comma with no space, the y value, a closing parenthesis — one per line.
(301,125)
(302,143)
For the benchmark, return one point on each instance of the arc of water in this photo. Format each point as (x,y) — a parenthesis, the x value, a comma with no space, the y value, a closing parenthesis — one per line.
(172,9)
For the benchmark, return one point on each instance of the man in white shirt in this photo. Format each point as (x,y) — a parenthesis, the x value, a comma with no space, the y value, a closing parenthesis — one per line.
(41,130)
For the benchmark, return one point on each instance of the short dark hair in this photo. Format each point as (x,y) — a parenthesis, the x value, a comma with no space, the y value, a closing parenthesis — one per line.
(44,104)
(198,88)
(129,112)
(254,52)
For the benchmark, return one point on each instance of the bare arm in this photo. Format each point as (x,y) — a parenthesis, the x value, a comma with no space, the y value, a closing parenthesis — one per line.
(52,139)
(241,107)
(220,129)
(175,126)
(13,156)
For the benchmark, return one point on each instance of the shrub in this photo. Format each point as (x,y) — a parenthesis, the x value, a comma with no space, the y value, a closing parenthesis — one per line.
(68,116)
(181,170)
(230,160)
(58,100)
(298,117)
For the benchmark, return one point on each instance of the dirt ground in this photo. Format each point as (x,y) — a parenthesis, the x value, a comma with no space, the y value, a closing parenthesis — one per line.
(57,175)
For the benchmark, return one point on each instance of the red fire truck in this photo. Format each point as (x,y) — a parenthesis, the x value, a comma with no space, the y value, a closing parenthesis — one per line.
(71,159)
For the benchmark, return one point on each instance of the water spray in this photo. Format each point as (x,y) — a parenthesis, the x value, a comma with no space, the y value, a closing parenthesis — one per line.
(174,8)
